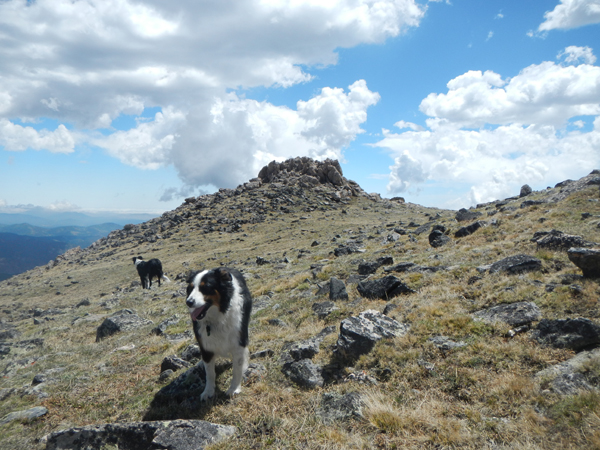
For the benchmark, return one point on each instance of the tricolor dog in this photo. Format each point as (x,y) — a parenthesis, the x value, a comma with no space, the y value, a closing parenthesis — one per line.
(220,305)
(148,270)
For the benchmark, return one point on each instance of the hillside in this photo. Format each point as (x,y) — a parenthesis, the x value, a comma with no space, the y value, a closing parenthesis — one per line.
(20,253)
(448,376)
(24,246)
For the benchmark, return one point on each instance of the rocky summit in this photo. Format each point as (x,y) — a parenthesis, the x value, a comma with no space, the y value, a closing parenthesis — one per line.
(377,323)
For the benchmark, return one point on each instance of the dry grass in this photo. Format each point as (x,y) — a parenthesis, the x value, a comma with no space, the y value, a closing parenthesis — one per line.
(480,396)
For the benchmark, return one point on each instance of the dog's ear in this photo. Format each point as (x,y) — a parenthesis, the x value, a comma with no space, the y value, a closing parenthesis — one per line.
(134,258)
(191,275)
(224,275)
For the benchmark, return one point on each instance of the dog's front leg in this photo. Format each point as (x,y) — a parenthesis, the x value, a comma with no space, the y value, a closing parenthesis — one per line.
(240,364)
(209,389)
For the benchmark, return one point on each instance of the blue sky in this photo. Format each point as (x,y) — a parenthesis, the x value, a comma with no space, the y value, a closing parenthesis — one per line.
(133,106)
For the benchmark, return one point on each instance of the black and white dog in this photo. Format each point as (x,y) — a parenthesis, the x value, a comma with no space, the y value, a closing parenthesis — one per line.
(220,305)
(148,270)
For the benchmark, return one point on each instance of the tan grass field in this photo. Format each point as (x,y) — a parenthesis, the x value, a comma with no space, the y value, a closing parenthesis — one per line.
(480,396)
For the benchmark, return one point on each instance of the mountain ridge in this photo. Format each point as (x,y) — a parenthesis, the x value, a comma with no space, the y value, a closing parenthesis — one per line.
(304,236)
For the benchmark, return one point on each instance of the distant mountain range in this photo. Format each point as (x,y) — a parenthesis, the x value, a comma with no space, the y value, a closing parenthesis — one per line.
(42,217)
(24,246)
(35,236)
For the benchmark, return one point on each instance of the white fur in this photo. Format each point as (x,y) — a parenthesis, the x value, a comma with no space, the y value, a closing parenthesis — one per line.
(223,339)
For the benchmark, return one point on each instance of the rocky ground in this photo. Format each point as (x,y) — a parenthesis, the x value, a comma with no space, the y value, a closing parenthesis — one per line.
(376,324)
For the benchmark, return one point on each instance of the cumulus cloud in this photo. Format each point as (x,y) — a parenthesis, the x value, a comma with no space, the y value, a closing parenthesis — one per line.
(576,55)
(495,134)
(232,140)
(19,138)
(546,93)
(85,63)
(571,14)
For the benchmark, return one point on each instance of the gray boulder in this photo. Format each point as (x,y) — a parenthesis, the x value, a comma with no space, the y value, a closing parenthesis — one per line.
(25,415)
(525,190)
(323,309)
(358,335)
(557,240)
(437,239)
(516,264)
(343,250)
(172,435)
(514,314)
(463,215)
(173,363)
(383,288)
(588,260)
(574,375)
(124,320)
(336,407)
(444,343)
(304,373)
(368,268)
(575,334)
(469,229)
(337,289)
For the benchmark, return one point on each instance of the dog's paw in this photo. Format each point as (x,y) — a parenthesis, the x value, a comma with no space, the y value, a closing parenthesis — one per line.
(233,391)
(207,394)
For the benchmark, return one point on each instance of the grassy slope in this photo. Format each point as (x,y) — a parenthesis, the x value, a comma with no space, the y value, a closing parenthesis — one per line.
(479,396)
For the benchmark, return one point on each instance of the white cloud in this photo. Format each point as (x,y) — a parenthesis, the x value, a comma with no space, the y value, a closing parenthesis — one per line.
(148,145)
(85,63)
(402,124)
(230,142)
(546,93)
(63,206)
(18,138)
(496,134)
(571,14)
(576,55)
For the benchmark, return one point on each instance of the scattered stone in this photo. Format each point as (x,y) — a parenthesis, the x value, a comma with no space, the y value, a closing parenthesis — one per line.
(528,203)
(162,327)
(124,320)
(26,415)
(368,268)
(445,343)
(358,335)
(336,407)
(255,372)
(470,229)
(304,373)
(337,289)
(588,260)
(514,314)
(343,250)
(191,352)
(278,323)
(172,435)
(576,334)
(323,309)
(401,267)
(173,363)
(557,240)
(516,264)
(165,374)
(383,288)
(525,190)
(437,238)
(463,215)
(574,375)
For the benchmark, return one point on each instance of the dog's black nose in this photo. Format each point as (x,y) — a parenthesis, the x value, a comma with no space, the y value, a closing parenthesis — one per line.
(189,302)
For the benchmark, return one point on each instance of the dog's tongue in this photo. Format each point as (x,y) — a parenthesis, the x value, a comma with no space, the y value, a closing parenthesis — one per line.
(199,313)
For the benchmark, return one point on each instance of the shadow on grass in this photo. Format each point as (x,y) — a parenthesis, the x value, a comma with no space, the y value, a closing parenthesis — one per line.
(180,399)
